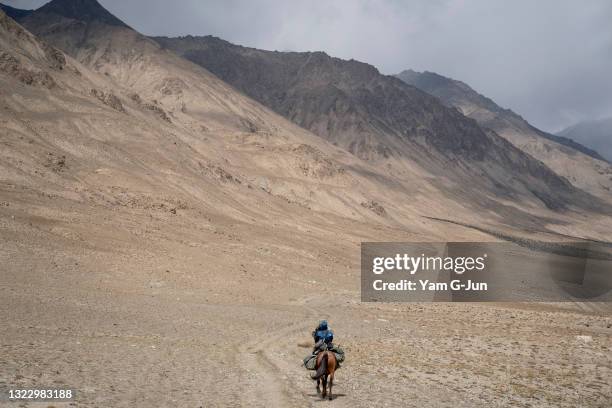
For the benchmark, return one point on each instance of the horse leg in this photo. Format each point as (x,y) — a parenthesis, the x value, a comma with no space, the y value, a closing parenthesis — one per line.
(318,389)
(331,383)
(324,393)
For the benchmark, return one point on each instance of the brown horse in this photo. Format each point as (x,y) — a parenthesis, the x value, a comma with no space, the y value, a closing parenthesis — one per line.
(326,367)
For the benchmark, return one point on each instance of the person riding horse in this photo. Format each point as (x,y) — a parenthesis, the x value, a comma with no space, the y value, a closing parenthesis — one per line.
(325,358)
(323,339)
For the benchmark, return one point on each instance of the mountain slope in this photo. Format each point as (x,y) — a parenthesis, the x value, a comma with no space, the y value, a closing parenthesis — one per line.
(85,11)
(373,116)
(445,162)
(584,167)
(13,12)
(596,134)
(165,128)
(138,129)
(343,101)
(460,95)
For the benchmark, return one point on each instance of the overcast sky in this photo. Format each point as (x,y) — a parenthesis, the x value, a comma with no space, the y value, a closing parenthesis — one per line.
(550,61)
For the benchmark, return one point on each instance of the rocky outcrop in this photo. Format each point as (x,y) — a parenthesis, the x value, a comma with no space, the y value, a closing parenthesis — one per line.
(159,112)
(13,67)
(108,98)
(375,207)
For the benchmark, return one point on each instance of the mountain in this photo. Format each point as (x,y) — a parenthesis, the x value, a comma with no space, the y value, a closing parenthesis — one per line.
(126,124)
(83,11)
(130,130)
(584,167)
(596,134)
(14,13)
(410,141)
(344,101)
(371,115)
(460,95)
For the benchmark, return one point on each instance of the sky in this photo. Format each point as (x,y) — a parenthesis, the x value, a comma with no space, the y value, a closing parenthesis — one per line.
(549,61)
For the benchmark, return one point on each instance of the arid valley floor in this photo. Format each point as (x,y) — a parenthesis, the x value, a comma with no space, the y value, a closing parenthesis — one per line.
(218,318)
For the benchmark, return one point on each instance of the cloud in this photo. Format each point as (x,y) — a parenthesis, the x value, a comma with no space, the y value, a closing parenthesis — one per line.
(547,60)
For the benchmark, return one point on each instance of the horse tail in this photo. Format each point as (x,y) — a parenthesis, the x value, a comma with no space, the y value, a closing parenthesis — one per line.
(322,370)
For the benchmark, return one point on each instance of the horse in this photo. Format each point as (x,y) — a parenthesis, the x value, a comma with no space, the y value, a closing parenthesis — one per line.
(326,367)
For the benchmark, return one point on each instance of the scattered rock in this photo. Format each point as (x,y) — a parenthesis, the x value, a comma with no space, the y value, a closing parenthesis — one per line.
(56,163)
(108,99)
(158,111)
(249,126)
(314,163)
(264,184)
(151,107)
(11,66)
(219,173)
(136,98)
(55,57)
(375,207)
(172,86)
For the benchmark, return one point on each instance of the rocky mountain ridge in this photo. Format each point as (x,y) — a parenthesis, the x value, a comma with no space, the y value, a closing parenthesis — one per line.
(584,167)
(431,152)
(351,104)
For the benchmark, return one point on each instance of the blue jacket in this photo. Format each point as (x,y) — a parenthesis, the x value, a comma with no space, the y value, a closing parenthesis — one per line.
(320,334)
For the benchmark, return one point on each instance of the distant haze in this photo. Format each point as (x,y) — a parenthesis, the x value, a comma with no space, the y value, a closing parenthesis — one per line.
(549,61)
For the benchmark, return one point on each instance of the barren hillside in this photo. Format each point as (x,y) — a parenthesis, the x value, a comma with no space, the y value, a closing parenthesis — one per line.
(377,117)
(583,167)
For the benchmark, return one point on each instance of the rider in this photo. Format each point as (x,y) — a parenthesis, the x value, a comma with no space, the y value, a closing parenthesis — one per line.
(318,336)
(321,331)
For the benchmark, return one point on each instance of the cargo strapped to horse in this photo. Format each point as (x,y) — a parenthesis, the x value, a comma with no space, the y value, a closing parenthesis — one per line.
(311,360)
